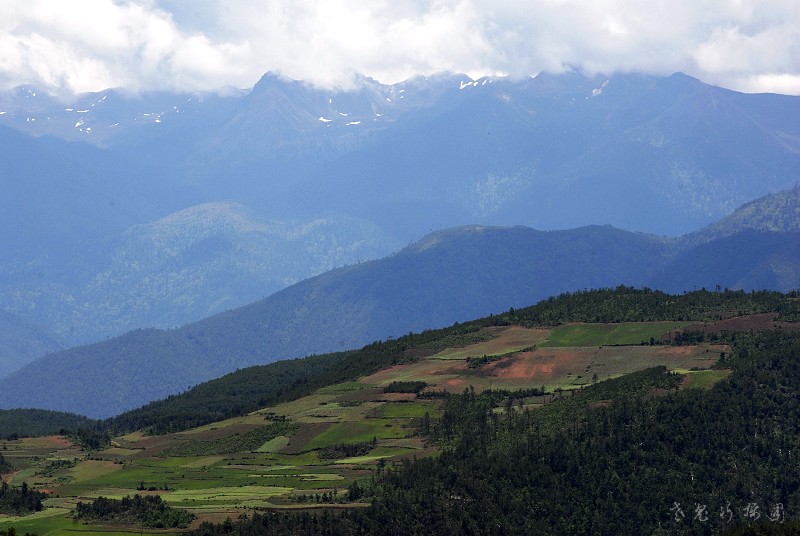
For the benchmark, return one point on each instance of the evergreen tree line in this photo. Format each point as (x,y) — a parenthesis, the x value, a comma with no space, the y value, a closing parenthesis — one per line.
(405,387)
(149,511)
(11,531)
(19,500)
(15,423)
(628,304)
(5,467)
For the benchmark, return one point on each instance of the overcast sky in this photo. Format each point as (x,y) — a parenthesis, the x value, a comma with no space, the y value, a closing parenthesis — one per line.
(89,45)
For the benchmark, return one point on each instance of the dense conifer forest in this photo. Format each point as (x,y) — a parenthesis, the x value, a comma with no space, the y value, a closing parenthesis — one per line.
(38,422)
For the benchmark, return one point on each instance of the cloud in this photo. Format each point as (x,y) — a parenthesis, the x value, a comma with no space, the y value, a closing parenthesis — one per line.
(749,45)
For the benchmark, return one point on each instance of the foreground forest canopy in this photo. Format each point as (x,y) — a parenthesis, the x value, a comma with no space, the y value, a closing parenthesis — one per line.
(612,411)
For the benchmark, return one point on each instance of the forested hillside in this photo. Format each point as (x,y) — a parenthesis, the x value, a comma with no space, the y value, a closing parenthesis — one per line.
(612,459)
(21,342)
(778,212)
(248,389)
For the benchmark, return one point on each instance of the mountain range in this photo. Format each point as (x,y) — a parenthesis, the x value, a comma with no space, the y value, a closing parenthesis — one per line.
(158,210)
(448,276)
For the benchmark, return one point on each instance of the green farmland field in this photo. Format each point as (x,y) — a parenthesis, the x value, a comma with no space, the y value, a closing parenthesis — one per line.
(579,335)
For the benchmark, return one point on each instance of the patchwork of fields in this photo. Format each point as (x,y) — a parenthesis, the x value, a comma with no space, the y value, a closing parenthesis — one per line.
(306,453)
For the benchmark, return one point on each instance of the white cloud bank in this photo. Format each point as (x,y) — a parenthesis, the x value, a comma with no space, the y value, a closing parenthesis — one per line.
(88,45)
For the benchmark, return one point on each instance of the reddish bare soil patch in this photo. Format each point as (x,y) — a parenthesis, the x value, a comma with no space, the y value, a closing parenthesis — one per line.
(225,431)
(398,397)
(153,445)
(535,365)
(8,477)
(60,441)
(361,395)
(384,375)
(523,369)
(677,351)
(457,367)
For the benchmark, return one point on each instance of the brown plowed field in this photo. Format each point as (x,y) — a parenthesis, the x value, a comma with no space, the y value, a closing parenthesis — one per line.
(547,365)
(552,367)
(759,322)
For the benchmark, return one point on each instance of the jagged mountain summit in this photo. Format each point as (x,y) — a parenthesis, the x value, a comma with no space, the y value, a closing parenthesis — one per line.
(656,154)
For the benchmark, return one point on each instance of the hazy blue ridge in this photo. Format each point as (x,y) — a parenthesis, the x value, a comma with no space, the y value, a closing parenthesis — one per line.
(449,276)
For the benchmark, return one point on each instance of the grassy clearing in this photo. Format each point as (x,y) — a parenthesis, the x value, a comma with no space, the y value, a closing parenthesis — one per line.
(57,522)
(247,420)
(357,432)
(375,455)
(343,387)
(109,493)
(119,452)
(274,445)
(202,462)
(703,379)
(305,477)
(407,410)
(91,469)
(304,404)
(511,339)
(222,496)
(297,460)
(580,335)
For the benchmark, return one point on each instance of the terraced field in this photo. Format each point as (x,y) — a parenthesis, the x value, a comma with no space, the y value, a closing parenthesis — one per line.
(305,453)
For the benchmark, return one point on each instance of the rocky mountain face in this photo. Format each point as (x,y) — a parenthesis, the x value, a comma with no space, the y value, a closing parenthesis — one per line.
(156,210)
